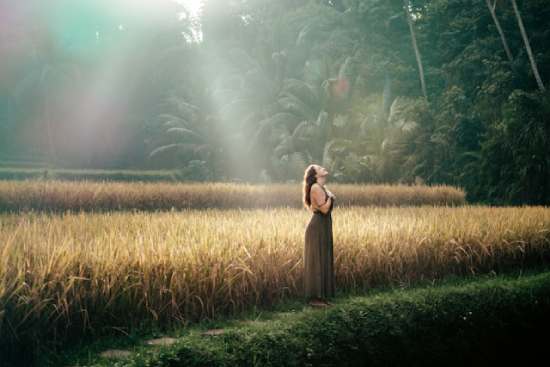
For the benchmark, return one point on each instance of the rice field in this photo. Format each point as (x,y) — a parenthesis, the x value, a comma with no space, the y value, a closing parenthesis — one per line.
(73,274)
(60,196)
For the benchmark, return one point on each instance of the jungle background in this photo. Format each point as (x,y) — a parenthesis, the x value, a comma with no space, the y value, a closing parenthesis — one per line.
(378,91)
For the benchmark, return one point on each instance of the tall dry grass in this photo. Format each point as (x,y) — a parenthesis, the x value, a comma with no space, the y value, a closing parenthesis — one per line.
(75,274)
(108,196)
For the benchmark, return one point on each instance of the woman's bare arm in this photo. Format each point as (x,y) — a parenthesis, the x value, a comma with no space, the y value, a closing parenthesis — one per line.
(318,196)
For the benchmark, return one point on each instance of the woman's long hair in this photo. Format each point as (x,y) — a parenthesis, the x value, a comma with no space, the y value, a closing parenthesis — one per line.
(309,180)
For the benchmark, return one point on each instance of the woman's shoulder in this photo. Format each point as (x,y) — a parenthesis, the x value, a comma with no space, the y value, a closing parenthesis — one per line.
(317,186)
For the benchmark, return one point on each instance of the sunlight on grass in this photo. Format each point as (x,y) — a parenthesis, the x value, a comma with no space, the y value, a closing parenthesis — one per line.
(67,273)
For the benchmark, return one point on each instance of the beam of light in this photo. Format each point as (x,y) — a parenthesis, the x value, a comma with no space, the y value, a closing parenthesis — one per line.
(100,38)
(193,7)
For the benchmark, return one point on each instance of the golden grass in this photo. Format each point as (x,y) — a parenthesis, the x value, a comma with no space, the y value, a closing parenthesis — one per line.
(108,196)
(78,273)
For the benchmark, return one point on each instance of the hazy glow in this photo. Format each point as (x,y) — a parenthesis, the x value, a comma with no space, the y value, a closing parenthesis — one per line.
(75,69)
(193,6)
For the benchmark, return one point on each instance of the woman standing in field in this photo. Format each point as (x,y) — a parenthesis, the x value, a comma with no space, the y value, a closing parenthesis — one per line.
(318,251)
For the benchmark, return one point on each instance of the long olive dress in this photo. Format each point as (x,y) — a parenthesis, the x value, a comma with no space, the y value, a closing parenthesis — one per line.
(318,255)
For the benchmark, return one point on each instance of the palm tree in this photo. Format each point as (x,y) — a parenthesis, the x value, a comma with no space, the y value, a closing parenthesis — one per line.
(528,47)
(384,146)
(415,46)
(284,116)
(300,129)
(492,8)
(187,133)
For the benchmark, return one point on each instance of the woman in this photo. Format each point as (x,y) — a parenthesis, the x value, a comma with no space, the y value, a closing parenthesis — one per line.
(318,254)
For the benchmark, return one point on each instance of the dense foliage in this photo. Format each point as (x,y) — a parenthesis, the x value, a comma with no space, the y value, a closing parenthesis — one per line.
(446,91)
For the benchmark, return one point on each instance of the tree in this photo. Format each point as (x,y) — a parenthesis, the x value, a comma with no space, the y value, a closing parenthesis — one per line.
(187,134)
(491,8)
(415,46)
(528,47)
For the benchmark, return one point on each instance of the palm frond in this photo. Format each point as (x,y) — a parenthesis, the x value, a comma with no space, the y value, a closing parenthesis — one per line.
(396,112)
(170,120)
(290,103)
(335,148)
(304,132)
(286,146)
(302,91)
(165,149)
(185,133)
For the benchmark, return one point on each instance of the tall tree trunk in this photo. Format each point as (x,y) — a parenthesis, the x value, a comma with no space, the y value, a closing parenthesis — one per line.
(499,29)
(415,46)
(528,47)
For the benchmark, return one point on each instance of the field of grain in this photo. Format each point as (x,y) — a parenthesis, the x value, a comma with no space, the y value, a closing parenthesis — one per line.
(60,196)
(75,274)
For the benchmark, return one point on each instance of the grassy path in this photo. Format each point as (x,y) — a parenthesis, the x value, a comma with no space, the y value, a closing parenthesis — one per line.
(458,321)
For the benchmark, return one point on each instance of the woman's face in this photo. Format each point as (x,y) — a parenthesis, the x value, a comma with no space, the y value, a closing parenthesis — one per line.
(321,173)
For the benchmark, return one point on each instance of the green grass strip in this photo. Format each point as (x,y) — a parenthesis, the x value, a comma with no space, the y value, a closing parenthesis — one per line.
(478,320)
